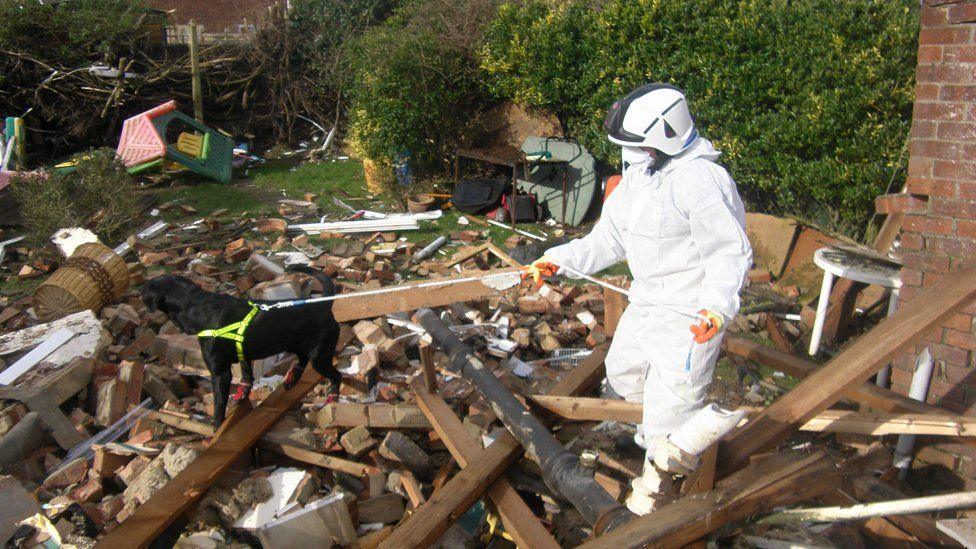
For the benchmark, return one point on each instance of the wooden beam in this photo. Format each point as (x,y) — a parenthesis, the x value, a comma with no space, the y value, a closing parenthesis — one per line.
(851,367)
(783,478)
(519,521)
(828,421)
(185,489)
(426,524)
(921,526)
(614,304)
(503,255)
(415,296)
(289,450)
(867,394)
(702,481)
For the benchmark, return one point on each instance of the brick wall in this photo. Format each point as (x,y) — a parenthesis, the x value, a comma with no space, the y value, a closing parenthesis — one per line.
(216,16)
(939,231)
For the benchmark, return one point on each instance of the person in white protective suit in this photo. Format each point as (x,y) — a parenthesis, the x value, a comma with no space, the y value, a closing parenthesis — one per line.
(677,219)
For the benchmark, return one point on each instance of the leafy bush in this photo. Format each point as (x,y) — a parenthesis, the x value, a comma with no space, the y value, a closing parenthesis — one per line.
(416,81)
(97,195)
(809,101)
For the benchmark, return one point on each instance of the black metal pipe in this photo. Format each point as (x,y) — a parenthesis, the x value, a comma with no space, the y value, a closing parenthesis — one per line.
(560,468)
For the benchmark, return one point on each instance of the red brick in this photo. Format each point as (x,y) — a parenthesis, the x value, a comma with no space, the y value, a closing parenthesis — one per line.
(927,261)
(907,294)
(963,340)
(947,150)
(956,374)
(911,277)
(927,186)
(944,35)
(954,169)
(960,321)
(927,91)
(899,203)
(962,131)
(951,207)
(941,73)
(951,247)
(920,167)
(936,457)
(934,17)
(929,54)
(924,129)
(926,224)
(949,112)
(962,13)
(912,241)
(954,92)
(958,54)
(966,228)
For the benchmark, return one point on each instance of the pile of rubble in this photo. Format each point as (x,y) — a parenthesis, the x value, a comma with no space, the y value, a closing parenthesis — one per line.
(103,412)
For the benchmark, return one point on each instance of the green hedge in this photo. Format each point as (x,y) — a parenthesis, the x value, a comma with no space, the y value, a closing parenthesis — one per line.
(810,101)
(416,82)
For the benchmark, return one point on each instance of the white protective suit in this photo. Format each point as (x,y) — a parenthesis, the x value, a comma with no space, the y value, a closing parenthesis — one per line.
(682,231)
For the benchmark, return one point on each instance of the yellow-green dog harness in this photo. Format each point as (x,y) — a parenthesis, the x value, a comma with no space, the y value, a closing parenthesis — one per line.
(234,332)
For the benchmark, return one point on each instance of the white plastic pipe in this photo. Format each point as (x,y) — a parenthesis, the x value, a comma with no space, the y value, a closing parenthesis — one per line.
(430,248)
(707,426)
(918,391)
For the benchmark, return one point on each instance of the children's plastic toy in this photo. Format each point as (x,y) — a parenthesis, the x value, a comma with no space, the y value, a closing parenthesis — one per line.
(164,132)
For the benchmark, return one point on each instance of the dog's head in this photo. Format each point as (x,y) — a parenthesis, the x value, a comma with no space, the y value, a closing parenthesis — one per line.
(164,292)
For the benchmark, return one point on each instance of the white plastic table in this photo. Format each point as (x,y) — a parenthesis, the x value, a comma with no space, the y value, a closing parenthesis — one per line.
(855,267)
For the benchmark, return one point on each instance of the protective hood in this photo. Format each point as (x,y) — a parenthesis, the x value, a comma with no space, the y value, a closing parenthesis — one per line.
(701,148)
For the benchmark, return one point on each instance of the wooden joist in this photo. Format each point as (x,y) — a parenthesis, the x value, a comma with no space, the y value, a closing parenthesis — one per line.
(782,479)
(853,366)
(426,524)
(416,295)
(518,519)
(182,491)
(828,421)
(290,450)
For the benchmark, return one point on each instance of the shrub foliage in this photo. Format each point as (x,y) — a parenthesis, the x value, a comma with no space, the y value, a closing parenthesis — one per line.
(97,195)
(810,101)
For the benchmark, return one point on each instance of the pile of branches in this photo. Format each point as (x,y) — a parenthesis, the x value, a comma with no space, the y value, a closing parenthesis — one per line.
(257,88)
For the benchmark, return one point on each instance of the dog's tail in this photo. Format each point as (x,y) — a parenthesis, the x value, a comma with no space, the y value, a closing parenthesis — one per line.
(328,287)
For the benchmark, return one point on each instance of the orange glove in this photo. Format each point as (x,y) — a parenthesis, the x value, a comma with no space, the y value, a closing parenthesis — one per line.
(539,268)
(708,326)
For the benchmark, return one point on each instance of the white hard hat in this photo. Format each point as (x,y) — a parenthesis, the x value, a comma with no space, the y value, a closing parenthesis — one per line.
(653,115)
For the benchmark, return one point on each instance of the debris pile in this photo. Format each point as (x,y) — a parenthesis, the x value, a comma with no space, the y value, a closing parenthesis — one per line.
(106,416)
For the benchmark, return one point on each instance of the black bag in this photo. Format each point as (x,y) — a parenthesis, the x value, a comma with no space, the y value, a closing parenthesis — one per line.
(476,196)
(526,208)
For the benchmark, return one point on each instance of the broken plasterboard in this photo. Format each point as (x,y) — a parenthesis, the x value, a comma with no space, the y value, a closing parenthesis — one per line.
(321,523)
(89,338)
(36,355)
(284,481)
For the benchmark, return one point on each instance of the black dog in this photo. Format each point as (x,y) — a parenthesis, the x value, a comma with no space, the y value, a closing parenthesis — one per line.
(309,331)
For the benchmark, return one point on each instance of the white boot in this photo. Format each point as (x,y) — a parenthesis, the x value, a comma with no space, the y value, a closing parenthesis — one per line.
(650,491)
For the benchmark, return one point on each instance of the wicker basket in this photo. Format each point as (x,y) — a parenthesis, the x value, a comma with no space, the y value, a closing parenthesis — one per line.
(92,277)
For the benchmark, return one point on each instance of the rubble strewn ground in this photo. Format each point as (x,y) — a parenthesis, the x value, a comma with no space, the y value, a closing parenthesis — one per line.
(530,338)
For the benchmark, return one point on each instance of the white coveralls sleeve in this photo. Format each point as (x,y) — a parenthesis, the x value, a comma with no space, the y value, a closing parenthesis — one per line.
(718,232)
(599,249)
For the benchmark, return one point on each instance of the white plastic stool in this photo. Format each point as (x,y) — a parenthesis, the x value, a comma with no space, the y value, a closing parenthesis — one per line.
(858,268)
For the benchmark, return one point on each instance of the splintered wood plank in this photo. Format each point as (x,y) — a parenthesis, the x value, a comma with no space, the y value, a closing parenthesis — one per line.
(519,521)
(428,522)
(426,525)
(781,479)
(416,295)
(185,489)
(853,366)
(867,394)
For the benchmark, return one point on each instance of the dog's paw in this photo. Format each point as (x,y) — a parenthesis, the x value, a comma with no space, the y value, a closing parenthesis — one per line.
(243,391)
(292,377)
